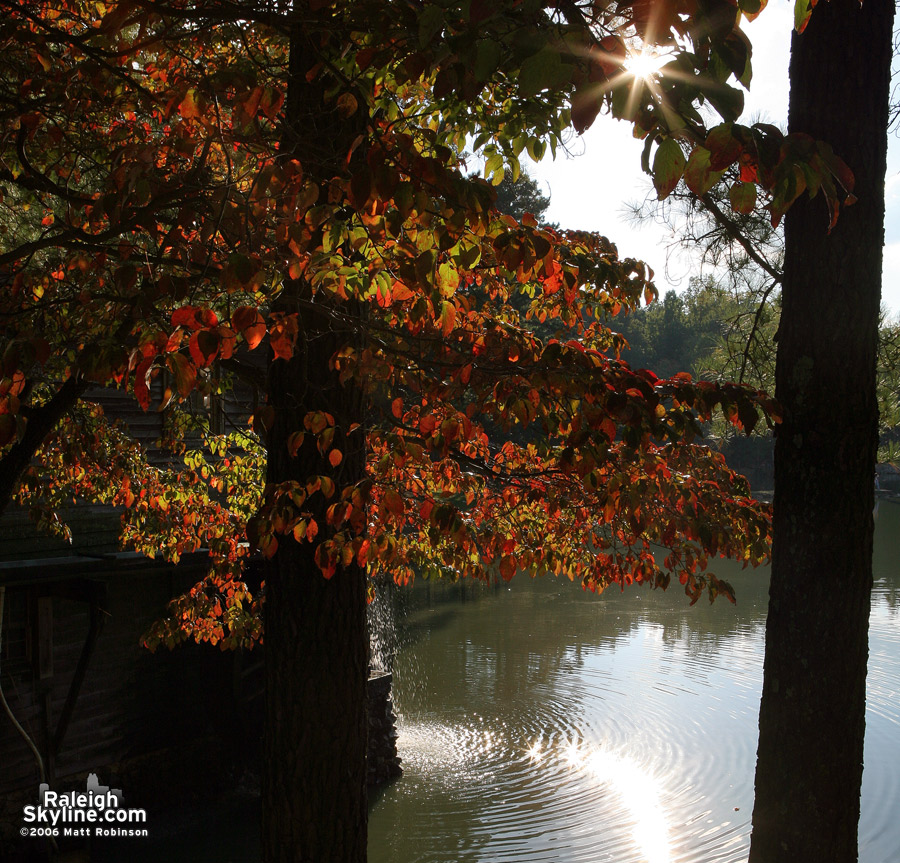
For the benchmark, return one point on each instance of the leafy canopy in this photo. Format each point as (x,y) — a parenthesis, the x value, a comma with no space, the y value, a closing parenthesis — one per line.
(162,187)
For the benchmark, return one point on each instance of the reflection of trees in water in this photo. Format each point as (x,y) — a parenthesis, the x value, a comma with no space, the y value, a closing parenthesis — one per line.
(508,642)
(543,662)
(886,555)
(520,641)
(889,593)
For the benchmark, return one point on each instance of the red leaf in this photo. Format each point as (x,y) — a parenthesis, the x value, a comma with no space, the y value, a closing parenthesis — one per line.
(250,324)
(142,383)
(227,339)
(393,502)
(364,57)
(282,335)
(347,105)
(724,148)
(204,347)
(609,57)
(271,102)
(194,317)
(586,105)
(185,373)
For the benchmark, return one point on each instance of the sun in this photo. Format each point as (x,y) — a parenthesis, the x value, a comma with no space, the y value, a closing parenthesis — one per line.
(645,64)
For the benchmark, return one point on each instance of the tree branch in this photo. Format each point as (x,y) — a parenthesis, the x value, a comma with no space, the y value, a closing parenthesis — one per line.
(41,422)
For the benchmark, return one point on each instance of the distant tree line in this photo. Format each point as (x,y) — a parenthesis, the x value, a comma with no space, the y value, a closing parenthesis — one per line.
(716,331)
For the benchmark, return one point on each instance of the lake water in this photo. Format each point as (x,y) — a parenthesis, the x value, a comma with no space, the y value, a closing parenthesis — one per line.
(540,723)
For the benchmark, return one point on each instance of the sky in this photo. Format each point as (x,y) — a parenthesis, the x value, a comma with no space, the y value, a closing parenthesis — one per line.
(589,189)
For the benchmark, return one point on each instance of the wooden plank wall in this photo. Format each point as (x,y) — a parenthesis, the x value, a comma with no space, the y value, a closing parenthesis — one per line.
(132,702)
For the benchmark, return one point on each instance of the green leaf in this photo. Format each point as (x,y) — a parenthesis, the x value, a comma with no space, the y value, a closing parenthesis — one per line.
(493,166)
(430,22)
(668,166)
(541,71)
(487,58)
(742,197)
(728,101)
(448,279)
(536,148)
(802,11)
(698,174)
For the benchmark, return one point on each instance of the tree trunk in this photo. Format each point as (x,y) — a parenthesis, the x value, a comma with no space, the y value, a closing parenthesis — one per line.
(314,806)
(314,771)
(812,715)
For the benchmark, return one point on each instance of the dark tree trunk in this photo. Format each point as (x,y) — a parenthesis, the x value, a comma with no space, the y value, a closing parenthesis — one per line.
(314,772)
(314,756)
(812,715)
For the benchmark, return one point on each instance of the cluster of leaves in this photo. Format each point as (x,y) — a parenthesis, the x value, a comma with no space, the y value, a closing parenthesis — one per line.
(168,176)
(166,511)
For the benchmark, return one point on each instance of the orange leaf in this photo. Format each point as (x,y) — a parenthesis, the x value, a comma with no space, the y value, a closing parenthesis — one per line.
(250,324)
(204,347)
(448,318)
(393,502)
(185,373)
(294,442)
(401,292)
(191,105)
(194,317)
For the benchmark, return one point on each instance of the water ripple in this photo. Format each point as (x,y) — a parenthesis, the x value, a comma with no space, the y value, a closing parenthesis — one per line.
(541,726)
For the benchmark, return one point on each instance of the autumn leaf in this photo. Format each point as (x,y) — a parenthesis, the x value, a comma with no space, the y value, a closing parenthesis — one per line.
(742,197)
(250,324)
(185,373)
(448,318)
(698,175)
(191,106)
(347,104)
(668,167)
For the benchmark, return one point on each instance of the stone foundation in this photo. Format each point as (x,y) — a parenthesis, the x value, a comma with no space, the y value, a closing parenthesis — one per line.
(383,761)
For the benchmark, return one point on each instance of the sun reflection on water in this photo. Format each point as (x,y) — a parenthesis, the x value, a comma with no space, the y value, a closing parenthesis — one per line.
(639,791)
(476,760)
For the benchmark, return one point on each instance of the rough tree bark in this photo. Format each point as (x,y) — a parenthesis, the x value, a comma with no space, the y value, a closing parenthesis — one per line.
(316,645)
(314,772)
(812,716)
